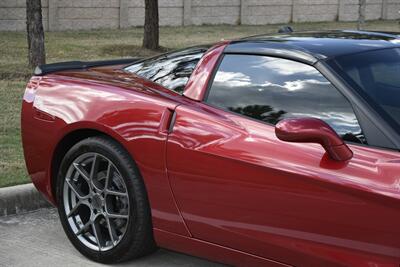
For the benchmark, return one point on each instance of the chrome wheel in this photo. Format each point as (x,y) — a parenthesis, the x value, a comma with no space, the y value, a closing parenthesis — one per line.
(96,201)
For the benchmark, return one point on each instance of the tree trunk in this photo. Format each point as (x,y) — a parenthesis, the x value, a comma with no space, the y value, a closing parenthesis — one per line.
(35,34)
(361,14)
(151,31)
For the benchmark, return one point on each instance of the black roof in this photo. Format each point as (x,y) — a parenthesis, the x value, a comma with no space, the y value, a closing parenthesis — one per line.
(313,46)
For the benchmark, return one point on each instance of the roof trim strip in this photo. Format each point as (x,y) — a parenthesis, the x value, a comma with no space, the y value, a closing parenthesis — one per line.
(272,49)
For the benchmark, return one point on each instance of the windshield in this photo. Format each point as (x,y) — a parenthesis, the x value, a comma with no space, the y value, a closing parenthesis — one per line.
(376,75)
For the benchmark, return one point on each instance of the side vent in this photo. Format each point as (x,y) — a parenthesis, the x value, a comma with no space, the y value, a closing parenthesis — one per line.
(167,121)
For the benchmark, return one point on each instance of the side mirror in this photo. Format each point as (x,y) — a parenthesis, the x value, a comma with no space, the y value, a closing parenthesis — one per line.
(310,130)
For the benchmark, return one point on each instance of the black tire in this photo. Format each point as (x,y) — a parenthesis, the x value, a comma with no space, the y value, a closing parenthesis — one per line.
(138,239)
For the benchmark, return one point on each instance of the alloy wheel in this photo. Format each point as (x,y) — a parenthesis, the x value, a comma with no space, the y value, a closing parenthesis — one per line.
(96,201)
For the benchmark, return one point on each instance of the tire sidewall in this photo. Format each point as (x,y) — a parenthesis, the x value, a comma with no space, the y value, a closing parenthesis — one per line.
(133,182)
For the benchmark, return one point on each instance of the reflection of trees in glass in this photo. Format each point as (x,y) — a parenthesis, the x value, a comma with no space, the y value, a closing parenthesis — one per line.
(176,77)
(170,70)
(354,138)
(260,112)
(267,114)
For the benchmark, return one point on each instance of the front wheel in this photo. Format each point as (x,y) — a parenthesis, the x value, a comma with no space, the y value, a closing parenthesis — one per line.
(102,202)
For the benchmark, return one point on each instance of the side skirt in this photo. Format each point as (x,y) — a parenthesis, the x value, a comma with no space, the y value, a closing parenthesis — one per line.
(210,251)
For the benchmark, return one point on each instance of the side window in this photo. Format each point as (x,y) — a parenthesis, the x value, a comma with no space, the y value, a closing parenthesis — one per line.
(171,70)
(386,74)
(271,89)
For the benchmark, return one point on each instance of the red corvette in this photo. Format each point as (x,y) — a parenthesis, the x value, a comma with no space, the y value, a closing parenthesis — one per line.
(272,150)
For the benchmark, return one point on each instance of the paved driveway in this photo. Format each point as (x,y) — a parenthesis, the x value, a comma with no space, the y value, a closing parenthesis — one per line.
(37,239)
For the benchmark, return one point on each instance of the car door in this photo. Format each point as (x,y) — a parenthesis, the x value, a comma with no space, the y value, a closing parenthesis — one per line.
(238,186)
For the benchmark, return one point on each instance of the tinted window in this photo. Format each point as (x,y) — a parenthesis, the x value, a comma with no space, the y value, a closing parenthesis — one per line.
(376,76)
(271,89)
(170,70)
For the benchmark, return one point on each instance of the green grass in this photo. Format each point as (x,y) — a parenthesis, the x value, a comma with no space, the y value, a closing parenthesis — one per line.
(103,44)
(12,167)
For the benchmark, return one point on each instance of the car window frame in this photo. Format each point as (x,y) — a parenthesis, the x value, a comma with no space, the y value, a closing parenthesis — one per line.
(370,120)
(384,121)
(217,67)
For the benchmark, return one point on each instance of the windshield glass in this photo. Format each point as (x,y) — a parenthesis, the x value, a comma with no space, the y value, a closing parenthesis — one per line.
(376,75)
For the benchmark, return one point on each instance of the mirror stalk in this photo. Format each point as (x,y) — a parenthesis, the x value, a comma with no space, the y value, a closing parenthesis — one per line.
(311,130)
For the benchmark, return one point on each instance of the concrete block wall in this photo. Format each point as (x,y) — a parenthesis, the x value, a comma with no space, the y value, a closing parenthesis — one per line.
(315,10)
(393,7)
(92,14)
(258,12)
(215,12)
(374,10)
(13,15)
(170,13)
(87,14)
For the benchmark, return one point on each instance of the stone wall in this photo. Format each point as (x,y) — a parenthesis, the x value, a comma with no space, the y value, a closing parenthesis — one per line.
(93,14)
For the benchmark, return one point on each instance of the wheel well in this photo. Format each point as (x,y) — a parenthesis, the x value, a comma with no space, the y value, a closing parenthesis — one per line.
(62,148)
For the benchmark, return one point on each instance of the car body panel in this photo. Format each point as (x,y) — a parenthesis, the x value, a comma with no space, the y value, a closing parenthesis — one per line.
(211,251)
(131,116)
(281,197)
(196,87)
(220,185)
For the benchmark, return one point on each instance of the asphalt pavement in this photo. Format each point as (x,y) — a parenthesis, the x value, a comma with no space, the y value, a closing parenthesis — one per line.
(37,239)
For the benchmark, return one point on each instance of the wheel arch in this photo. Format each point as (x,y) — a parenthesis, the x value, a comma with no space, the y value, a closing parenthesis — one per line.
(73,135)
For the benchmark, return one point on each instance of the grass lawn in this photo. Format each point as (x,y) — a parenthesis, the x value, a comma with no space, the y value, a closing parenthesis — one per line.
(103,44)
(12,166)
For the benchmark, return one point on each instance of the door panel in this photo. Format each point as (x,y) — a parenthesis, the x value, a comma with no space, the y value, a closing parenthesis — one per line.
(238,186)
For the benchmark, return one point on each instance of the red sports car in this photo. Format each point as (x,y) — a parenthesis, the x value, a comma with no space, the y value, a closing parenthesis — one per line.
(270,150)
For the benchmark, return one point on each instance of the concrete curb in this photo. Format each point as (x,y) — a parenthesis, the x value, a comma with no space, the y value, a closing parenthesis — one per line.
(20,199)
